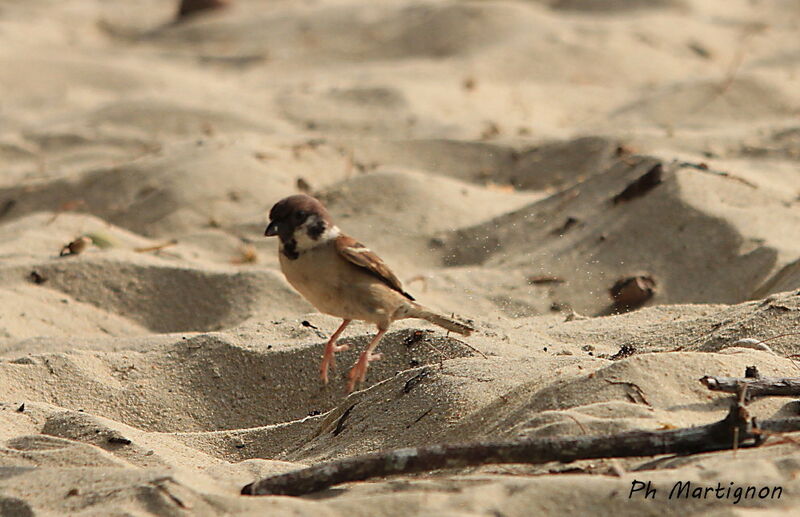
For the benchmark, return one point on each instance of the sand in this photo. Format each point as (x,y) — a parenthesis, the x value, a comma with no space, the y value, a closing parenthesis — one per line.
(481,148)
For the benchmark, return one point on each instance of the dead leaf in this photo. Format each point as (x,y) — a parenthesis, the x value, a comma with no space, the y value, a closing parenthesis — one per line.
(498,187)
(247,255)
(632,292)
(76,247)
(192,7)
(303,185)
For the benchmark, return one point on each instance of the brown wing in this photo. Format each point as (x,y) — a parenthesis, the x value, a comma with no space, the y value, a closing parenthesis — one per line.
(361,256)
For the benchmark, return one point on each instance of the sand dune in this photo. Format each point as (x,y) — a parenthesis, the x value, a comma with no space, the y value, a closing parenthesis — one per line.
(511,160)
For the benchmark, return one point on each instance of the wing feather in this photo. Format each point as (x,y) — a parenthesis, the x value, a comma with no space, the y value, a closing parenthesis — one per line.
(358,254)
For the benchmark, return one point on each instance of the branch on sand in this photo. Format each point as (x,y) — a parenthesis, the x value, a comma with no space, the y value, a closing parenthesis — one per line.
(734,431)
(756,386)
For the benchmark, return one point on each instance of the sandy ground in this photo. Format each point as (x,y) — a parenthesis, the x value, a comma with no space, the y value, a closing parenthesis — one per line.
(479,147)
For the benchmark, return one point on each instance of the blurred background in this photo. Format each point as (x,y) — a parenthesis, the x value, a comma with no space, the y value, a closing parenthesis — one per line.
(478,145)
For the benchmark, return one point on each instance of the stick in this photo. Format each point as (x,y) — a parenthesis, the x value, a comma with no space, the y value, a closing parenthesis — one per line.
(471,348)
(716,436)
(756,387)
(704,168)
(157,247)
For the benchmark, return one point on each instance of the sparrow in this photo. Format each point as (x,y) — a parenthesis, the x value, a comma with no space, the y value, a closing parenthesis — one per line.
(341,277)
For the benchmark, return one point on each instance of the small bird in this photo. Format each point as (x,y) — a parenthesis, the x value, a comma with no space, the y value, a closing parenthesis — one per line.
(343,278)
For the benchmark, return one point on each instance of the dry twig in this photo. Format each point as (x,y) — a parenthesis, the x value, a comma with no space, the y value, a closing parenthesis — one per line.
(756,387)
(735,430)
(157,247)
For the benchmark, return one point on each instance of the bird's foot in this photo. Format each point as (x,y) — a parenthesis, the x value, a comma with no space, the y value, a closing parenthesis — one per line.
(328,359)
(359,371)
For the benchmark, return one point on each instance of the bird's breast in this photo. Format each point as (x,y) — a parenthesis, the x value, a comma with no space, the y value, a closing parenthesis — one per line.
(317,277)
(336,287)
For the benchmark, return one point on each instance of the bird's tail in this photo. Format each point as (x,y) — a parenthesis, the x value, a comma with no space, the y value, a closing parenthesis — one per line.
(415,310)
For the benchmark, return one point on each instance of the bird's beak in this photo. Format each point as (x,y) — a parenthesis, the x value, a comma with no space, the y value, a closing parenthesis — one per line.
(273,229)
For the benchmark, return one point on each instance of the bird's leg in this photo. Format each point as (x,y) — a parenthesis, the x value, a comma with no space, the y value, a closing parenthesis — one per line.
(330,349)
(359,371)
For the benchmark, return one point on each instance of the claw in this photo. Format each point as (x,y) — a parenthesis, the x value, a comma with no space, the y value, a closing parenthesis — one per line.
(359,371)
(331,348)
(329,359)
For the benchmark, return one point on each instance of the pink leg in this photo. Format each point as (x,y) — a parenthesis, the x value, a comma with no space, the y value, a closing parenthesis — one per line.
(330,349)
(359,371)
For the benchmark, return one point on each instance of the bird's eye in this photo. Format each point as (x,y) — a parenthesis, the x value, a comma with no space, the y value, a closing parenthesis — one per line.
(300,216)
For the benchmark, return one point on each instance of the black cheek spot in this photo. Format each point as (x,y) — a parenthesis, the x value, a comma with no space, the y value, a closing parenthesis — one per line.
(316,229)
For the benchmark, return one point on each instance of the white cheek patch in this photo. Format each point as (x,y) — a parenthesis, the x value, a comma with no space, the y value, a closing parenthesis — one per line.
(305,242)
(302,241)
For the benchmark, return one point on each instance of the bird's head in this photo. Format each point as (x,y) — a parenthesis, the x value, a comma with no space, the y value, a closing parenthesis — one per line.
(301,221)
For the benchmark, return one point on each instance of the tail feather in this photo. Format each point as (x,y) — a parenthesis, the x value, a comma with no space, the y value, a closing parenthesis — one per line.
(418,311)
